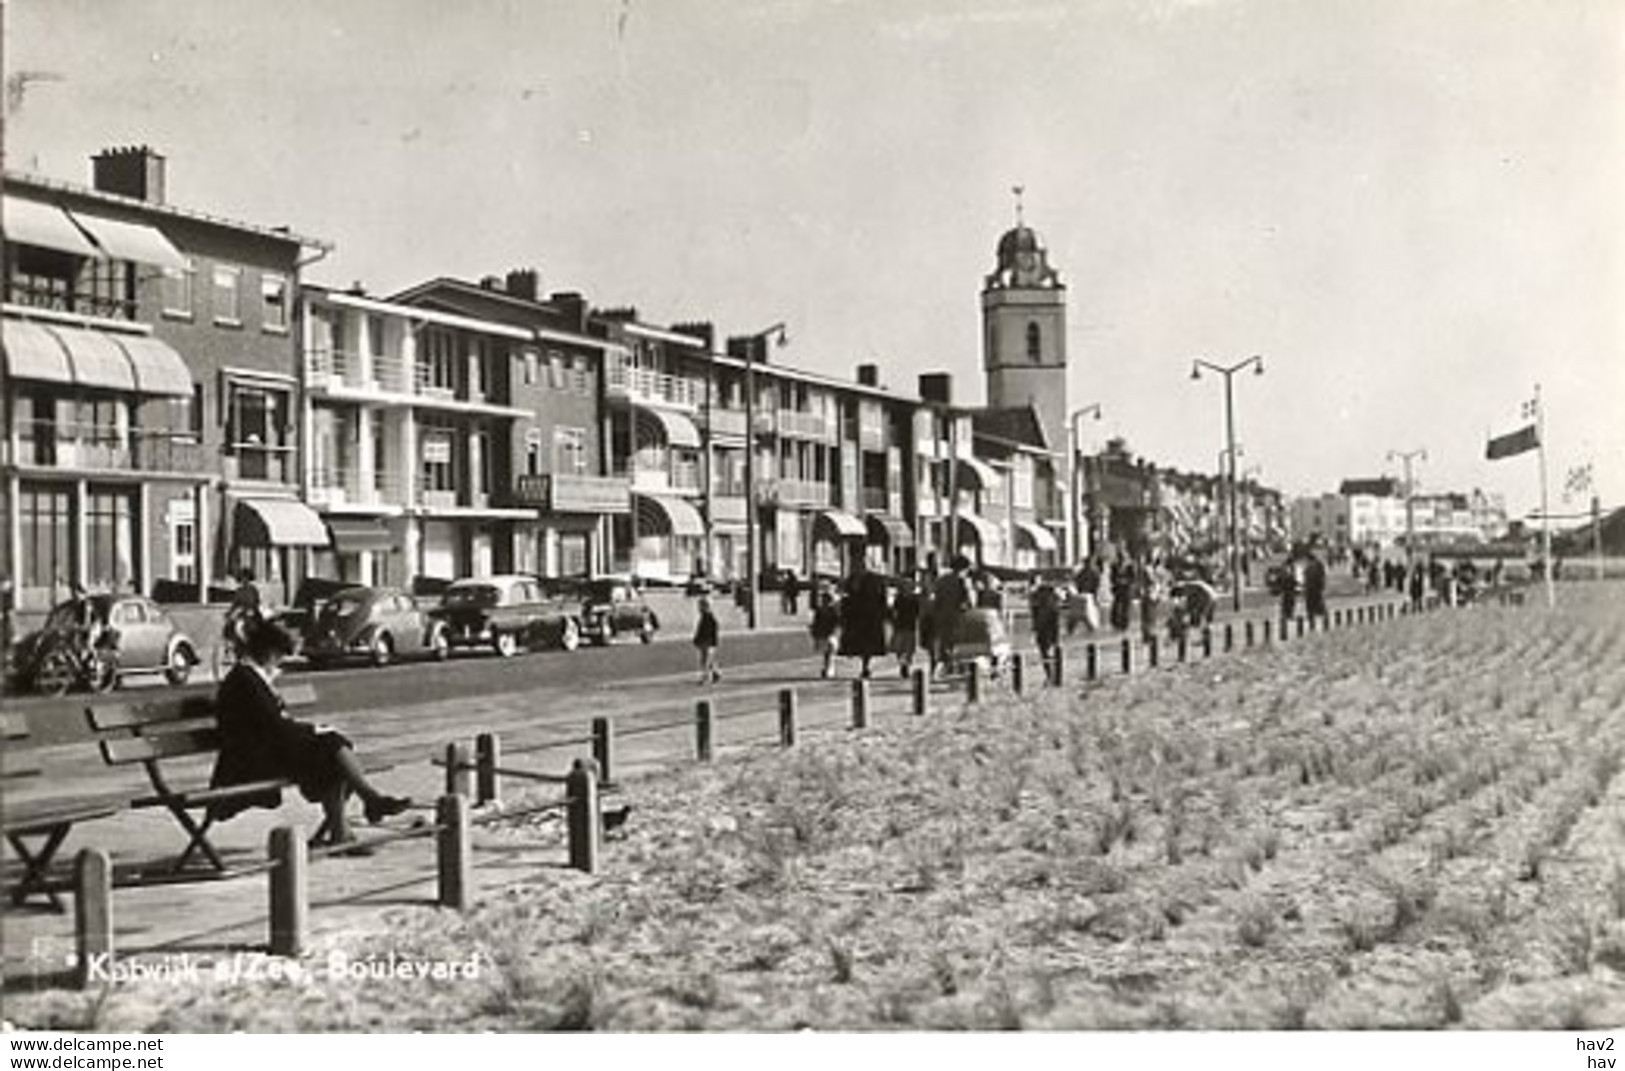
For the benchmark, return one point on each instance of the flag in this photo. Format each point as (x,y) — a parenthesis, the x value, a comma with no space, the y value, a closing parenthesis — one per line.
(1513,443)
(1579,479)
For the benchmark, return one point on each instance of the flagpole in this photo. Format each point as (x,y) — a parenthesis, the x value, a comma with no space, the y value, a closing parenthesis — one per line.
(1596,533)
(1545,513)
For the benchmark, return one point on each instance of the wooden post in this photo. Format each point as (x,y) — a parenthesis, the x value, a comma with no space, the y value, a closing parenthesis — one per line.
(1128,655)
(973,682)
(922,692)
(290,898)
(1268,625)
(860,704)
(92,915)
(1247,633)
(487,757)
(585,822)
(1058,658)
(787,717)
(705,724)
(1153,649)
(1229,637)
(1300,627)
(1018,667)
(454,851)
(456,769)
(1182,648)
(603,747)
(1091,664)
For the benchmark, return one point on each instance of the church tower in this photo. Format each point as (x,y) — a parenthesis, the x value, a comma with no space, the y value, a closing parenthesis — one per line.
(1024,331)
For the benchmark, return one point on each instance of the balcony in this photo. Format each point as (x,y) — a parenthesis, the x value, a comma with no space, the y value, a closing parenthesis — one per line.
(333,371)
(795,424)
(728,422)
(90,446)
(573,493)
(340,487)
(728,505)
(796,492)
(646,385)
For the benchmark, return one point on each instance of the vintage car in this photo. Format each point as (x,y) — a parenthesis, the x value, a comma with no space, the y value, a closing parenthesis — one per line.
(129,634)
(611,607)
(375,624)
(507,613)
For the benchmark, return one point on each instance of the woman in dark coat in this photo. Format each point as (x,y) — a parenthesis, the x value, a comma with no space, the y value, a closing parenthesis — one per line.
(260,742)
(863,617)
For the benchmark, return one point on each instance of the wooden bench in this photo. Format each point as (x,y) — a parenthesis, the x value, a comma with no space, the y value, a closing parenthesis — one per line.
(50,823)
(165,732)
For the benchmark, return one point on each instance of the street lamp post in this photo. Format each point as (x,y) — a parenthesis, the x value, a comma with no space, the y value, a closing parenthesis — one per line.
(1075,514)
(1256,363)
(1407,456)
(777,332)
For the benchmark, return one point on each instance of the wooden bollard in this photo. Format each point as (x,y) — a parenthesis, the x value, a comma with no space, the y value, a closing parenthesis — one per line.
(1018,672)
(973,682)
(585,823)
(1300,627)
(705,724)
(487,757)
(92,915)
(1128,655)
(454,852)
(456,769)
(603,747)
(1268,625)
(922,692)
(1153,651)
(1247,633)
(1207,641)
(1091,664)
(1337,619)
(290,898)
(1057,674)
(787,717)
(1182,648)
(860,704)
(1229,637)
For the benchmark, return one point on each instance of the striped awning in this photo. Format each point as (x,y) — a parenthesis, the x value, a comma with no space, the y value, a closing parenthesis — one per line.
(45,226)
(131,241)
(354,534)
(675,428)
(159,370)
(33,353)
(278,522)
(985,532)
(97,359)
(841,523)
(885,529)
(980,472)
(667,515)
(1039,537)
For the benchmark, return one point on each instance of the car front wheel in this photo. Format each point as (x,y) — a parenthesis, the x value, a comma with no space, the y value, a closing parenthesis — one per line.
(506,644)
(383,650)
(646,634)
(55,674)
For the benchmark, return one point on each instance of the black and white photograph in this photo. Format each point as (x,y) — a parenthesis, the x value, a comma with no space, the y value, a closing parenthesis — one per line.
(768,519)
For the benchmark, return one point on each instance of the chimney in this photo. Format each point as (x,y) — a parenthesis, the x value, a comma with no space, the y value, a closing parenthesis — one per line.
(868,375)
(937,387)
(134,171)
(701,330)
(522,283)
(572,307)
(749,347)
(491,282)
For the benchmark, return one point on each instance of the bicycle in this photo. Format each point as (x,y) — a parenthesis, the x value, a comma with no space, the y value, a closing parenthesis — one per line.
(72,660)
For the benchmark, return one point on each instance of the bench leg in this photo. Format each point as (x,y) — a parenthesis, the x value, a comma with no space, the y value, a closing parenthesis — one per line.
(199,841)
(36,864)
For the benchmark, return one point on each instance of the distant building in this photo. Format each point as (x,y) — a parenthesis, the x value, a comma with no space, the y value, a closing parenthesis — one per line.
(1373,514)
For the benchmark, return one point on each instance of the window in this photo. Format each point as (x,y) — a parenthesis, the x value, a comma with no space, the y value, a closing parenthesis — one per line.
(533,362)
(182,540)
(258,431)
(436,447)
(179,284)
(375,334)
(227,295)
(1035,349)
(535,450)
(107,288)
(274,302)
(45,520)
(581,374)
(555,369)
(110,538)
(437,357)
(570,451)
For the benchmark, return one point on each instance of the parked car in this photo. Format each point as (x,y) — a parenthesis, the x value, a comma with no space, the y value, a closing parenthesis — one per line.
(101,640)
(377,624)
(507,613)
(611,607)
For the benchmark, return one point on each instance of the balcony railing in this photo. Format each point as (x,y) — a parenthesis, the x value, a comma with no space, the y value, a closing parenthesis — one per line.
(93,446)
(348,487)
(646,385)
(571,493)
(728,422)
(800,425)
(796,492)
(334,369)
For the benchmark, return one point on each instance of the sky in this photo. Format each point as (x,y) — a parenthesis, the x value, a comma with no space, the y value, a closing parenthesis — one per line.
(1410,208)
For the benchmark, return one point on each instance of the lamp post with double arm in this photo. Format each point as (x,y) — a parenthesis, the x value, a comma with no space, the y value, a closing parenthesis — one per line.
(1256,363)
(1075,514)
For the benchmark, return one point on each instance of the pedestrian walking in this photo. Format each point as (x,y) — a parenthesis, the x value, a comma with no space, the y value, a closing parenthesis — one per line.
(826,622)
(952,599)
(1418,586)
(706,641)
(791,593)
(1045,606)
(1153,586)
(928,619)
(1314,589)
(1289,591)
(863,617)
(905,627)
(1122,583)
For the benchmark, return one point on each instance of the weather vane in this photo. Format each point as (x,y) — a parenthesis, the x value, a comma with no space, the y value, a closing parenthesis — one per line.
(1018,191)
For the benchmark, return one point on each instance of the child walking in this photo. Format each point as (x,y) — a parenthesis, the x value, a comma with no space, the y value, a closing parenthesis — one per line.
(826,622)
(705,640)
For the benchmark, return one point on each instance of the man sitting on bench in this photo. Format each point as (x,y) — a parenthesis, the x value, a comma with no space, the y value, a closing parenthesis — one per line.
(260,742)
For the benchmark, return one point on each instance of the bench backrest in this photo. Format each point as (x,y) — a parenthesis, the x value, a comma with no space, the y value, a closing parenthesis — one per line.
(167,728)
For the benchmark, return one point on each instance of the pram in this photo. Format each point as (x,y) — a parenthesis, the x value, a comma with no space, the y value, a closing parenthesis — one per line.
(981,636)
(1191,606)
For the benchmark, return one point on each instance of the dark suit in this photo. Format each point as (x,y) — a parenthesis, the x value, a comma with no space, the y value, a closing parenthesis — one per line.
(259,742)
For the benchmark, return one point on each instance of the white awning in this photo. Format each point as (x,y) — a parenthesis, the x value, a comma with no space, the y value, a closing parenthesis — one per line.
(677,429)
(668,515)
(46,226)
(885,529)
(1040,537)
(981,473)
(278,522)
(33,353)
(985,531)
(845,525)
(159,370)
(131,241)
(97,359)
